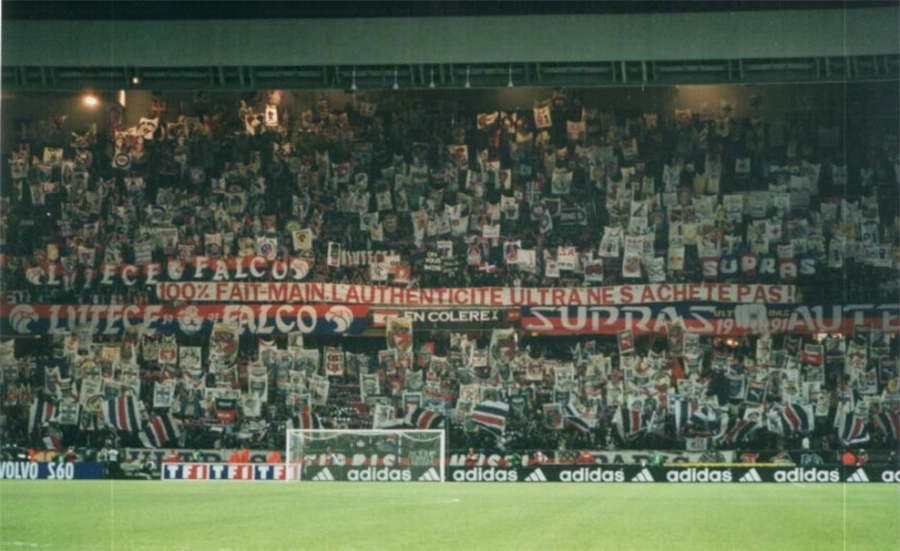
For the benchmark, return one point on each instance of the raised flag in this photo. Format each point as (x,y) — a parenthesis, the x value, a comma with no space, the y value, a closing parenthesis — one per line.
(306,419)
(889,420)
(703,417)
(796,419)
(41,413)
(52,443)
(575,420)
(491,415)
(121,413)
(740,431)
(683,410)
(628,421)
(160,429)
(422,418)
(850,428)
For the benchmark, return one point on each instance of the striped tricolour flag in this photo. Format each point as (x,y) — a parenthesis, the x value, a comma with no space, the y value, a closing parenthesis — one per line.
(683,410)
(796,419)
(741,430)
(160,429)
(40,413)
(306,419)
(889,420)
(575,420)
(628,421)
(851,428)
(121,413)
(422,418)
(491,415)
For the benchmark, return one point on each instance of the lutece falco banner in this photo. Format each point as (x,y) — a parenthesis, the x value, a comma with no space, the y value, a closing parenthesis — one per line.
(187,320)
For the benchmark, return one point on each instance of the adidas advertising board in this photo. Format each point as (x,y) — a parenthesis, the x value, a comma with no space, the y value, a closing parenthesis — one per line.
(536,476)
(375,474)
(431,475)
(592,475)
(808,475)
(890,476)
(480,474)
(750,476)
(643,476)
(698,475)
(858,476)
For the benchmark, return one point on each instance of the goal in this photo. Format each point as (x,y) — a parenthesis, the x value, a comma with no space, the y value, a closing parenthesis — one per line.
(322,455)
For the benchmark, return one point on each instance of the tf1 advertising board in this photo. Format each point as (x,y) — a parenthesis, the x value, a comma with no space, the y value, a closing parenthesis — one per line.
(248,472)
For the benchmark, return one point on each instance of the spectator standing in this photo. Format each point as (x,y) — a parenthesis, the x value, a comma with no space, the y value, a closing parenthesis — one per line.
(235,456)
(471,458)
(274,457)
(538,458)
(862,458)
(585,458)
(893,460)
(244,454)
(113,469)
(848,458)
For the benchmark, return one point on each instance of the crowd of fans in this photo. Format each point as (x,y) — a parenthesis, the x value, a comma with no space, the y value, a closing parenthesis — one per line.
(403,193)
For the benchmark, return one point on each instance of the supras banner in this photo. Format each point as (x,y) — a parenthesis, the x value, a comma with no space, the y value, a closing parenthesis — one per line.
(188,320)
(20,470)
(488,297)
(708,318)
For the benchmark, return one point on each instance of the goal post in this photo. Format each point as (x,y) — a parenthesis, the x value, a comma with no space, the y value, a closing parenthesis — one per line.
(374,455)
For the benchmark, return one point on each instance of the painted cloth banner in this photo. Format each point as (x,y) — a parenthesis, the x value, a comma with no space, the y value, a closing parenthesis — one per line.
(281,292)
(707,318)
(187,320)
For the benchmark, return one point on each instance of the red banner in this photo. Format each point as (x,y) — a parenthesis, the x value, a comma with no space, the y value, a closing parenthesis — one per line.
(287,292)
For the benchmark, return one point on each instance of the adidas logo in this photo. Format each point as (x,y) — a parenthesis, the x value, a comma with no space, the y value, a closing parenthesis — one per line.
(858,476)
(643,476)
(750,476)
(536,476)
(430,475)
(323,476)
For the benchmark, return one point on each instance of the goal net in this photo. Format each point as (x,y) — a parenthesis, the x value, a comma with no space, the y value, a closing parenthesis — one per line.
(323,455)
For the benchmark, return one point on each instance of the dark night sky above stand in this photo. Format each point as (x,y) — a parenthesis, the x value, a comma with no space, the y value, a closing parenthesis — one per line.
(266,9)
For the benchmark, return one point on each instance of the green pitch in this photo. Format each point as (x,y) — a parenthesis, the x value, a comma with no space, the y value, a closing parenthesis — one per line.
(134,515)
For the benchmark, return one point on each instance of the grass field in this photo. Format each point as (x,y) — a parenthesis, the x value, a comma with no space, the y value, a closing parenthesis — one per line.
(135,515)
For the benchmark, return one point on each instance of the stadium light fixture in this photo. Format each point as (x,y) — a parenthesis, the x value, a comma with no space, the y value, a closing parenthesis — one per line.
(468,83)
(353,83)
(431,84)
(396,86)
(510,83)
(90,100)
